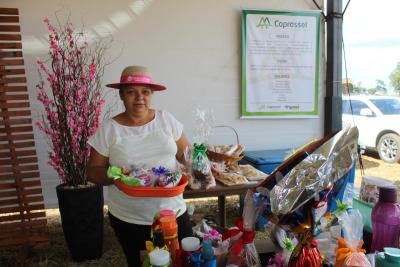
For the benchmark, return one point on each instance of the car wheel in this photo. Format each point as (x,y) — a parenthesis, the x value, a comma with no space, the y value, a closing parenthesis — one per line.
(389,148)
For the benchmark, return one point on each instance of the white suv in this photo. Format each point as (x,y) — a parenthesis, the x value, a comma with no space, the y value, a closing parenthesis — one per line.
(378,122)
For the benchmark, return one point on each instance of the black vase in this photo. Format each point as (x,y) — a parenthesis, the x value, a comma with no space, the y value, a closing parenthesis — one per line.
(82,219)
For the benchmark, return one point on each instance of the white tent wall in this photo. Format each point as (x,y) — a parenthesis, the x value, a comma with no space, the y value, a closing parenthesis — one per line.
(193,47)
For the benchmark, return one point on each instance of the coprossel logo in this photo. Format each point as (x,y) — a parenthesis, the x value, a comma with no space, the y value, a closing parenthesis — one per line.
(264,23)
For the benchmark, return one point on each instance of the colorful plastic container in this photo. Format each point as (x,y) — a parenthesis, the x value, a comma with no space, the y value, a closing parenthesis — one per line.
(146,191)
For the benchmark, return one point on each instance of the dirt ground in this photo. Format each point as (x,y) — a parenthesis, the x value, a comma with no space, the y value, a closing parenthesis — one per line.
(373,166)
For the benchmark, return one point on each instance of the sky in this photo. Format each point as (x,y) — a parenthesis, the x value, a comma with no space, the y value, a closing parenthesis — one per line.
(371,34)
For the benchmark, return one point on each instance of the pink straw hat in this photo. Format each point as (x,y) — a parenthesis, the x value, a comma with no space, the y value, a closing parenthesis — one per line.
(136,75)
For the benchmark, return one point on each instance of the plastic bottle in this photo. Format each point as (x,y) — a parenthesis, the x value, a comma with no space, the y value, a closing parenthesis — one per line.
(208,254)
(170,228)
(386,220)
(158,238)
(189,245)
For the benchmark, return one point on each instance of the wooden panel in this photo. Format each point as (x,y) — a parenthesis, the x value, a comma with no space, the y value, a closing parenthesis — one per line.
(21,208)
(18,153)
(14,185)
(8,11)
(9,19)
(14,105)
(17,113)
(18,161)
(10,45)
(28,230)
(22,216)
(12,62)
(4,88)
(8,80)
(14,97)
(16,129)
(9,54)
(17,201)
(19,168)
(17,145)
(33,240)
(10,37)
(14,225)
(10,28)
(22,220)
(11,71)
(17,176)
(24,192)
(15,121)
(16,137)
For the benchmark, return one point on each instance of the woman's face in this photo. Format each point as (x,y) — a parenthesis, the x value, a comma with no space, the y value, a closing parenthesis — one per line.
(136,98)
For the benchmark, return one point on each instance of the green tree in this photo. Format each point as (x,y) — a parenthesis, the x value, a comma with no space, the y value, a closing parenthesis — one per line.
(372,91)
(359,88)
(394,78)
(381,86)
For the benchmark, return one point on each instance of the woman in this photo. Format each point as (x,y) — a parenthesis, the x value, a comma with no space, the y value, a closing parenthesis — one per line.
(142,136)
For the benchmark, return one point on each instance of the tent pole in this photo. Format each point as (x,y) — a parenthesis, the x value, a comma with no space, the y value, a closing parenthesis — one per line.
(333,98)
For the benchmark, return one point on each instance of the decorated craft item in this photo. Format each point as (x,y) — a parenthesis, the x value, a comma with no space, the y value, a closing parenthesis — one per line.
(306,252)
(206,232)
(201,168)
(243,250)
(165,177)
(317,172)
(349,252)
(116,173)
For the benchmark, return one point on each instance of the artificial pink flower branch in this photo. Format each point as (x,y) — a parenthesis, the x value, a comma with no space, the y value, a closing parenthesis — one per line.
(71,94)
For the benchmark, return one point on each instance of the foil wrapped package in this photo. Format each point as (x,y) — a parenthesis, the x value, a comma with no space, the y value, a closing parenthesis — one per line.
(318,171)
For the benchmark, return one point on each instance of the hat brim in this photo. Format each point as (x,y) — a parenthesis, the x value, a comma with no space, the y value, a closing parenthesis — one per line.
(155,87)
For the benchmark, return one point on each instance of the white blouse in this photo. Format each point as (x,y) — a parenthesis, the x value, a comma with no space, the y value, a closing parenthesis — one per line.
(151,145)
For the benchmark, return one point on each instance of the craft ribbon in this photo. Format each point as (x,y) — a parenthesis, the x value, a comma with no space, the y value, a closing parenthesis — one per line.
(199,150)
(246,238)
(116,173)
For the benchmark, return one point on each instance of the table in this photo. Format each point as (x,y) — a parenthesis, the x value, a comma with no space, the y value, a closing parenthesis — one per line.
(220,191)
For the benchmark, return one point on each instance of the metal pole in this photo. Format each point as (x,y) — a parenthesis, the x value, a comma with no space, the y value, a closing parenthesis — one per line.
(333,98)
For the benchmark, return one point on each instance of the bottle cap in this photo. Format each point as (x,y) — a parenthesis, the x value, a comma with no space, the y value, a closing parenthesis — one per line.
(387,194)
(159,257)
(167,212)
(190,243)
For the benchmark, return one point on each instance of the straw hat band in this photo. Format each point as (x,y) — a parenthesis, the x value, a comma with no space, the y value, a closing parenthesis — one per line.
(136,75)
(136,78)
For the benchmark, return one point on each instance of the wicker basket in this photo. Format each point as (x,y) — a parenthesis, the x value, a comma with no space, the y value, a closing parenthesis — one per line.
(214,156)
